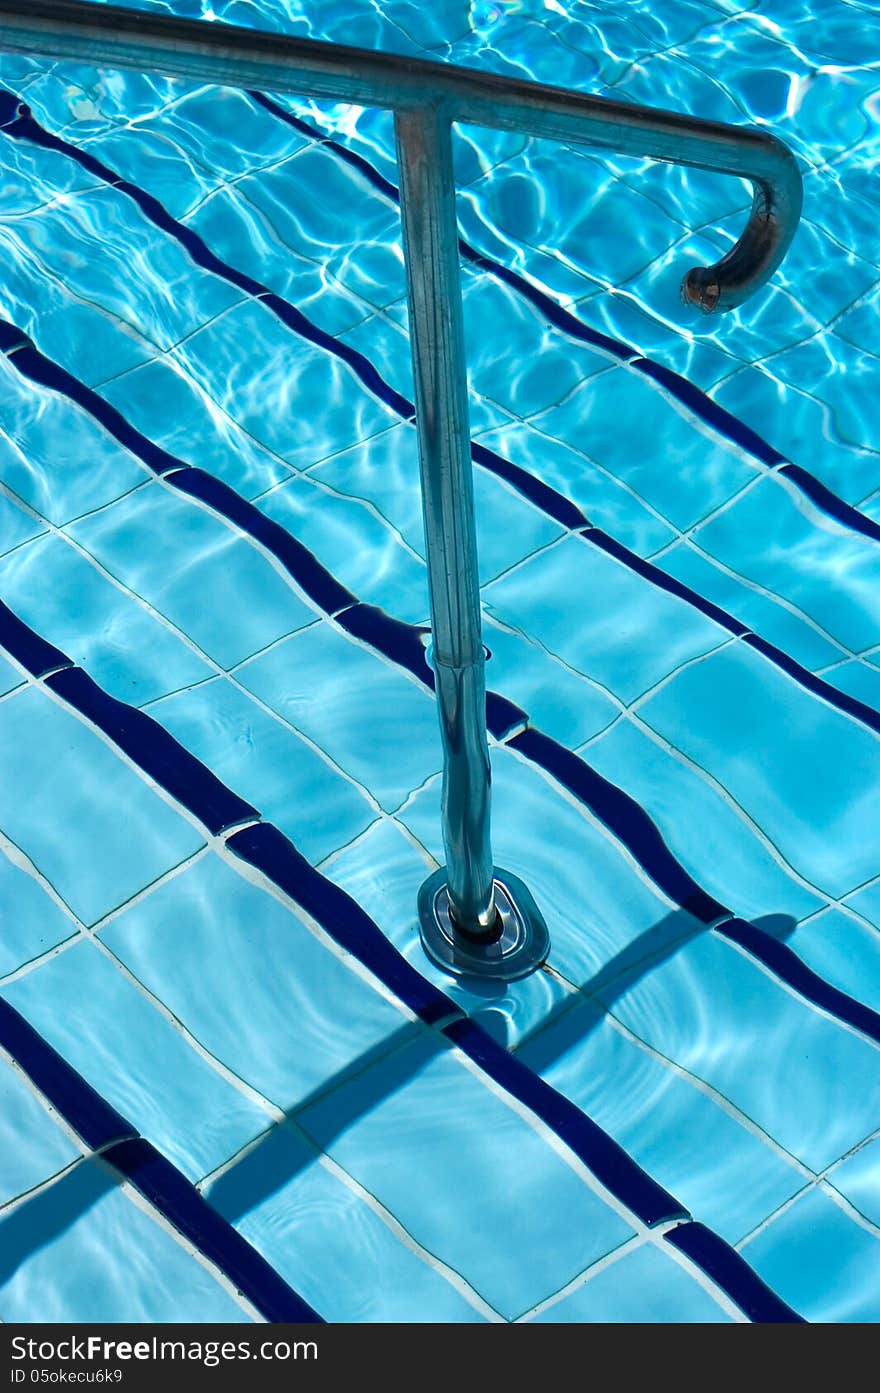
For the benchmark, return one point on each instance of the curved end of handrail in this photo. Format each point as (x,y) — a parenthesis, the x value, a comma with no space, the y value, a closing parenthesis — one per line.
(767,236)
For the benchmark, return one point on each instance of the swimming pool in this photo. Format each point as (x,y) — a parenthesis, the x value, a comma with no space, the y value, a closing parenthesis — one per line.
(221,750)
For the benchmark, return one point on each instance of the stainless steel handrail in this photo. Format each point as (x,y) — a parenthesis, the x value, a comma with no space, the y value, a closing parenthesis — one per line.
(474,917)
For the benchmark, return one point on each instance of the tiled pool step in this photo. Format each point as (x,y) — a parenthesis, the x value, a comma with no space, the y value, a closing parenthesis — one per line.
(268,851)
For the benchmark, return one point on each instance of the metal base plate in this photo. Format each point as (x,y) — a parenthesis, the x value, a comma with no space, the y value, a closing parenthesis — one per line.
(521,947)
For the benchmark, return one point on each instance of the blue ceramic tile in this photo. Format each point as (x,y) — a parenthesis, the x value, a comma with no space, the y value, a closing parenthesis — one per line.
(239,969)
(272,394)
(383,872)
(387,346)
(775,536)
(732,1179)
(83,337)
(701,828)
(160,293)
(32,1144)
(191,427)
(122,1045)
(801,769)
(317,227)
(234,122)
(644,1287)
(538,366)
(842,951)
(254,754)
(327,1241)
(604,499)
(376,723)
(859,1180)
(54,456)
(556,699)
(32,922)
(35,176)
(16,526)
(694,470)
(857,678)
(801,426)
(205,577)
(421,1113)
(85,819)
(810,1083)
(81,1251)
(819,1261)
(122,646)
(355,545)
(234,227)
(623,632)
(760,613)
(152,158)
(385,471)
(867,902)
(816,367)
(596,905)
(10,677)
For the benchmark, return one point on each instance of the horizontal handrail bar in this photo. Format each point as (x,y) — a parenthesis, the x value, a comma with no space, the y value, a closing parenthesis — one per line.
(226,55)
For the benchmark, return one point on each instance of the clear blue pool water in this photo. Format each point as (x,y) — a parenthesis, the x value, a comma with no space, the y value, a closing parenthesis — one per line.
(231,1082)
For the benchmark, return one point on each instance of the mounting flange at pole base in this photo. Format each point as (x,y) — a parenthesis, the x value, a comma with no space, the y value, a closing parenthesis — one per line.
(519,948)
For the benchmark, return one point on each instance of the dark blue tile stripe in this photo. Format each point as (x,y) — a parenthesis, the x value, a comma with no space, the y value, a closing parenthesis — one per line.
(624,817)
(354,161)
(155,751)
(859,710)
(164,1186)
(100,1125)
(301,564)
(12,338)
(787,966)
(33,364)
(599,1152)
(266,849)
(829,503)
(629,822)
(721,421)
(143,739)
(400,642)
(32,651)
(76,1101)
(662,581)
(731,1271)
(554,505)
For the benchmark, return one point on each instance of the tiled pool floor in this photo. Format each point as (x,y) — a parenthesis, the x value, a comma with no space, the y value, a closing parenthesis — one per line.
(219,741)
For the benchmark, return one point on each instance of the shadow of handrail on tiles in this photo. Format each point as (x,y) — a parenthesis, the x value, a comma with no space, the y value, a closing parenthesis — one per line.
(282,1152)
(279,1154)
(577,1016)
(39,1220)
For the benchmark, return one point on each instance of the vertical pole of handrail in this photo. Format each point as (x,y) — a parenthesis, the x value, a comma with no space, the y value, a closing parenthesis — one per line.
(430,240)
(474,918)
